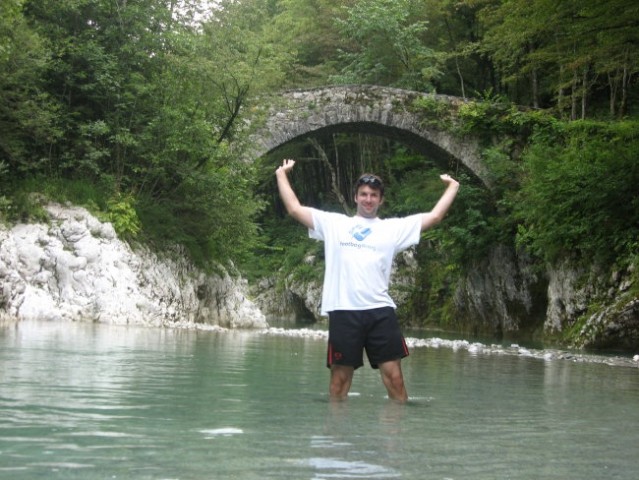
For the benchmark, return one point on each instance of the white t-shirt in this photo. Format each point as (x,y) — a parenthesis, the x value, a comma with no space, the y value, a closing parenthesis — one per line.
(359,255)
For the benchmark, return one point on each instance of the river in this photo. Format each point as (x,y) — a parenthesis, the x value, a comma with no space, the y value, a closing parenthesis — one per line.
(94,401)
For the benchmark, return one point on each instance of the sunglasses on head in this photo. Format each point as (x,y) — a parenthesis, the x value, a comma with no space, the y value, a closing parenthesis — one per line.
(369,180)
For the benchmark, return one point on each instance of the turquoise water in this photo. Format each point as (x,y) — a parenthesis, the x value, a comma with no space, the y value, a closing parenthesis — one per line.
(106,402)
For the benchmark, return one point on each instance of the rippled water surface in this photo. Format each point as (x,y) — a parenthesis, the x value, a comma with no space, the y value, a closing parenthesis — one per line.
(107,402)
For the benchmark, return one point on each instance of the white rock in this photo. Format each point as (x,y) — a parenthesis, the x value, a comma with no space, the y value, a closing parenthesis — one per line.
(77,269)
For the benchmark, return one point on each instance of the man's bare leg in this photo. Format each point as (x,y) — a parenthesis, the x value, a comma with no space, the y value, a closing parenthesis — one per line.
(394,380)
(341,379)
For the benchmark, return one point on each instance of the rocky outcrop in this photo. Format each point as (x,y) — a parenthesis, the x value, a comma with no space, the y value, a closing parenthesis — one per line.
(290,300)
(75,268)
(600,309)
(581,308)
(501,295)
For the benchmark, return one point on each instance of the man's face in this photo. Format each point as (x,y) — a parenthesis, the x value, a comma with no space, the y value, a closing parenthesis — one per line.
(368,201)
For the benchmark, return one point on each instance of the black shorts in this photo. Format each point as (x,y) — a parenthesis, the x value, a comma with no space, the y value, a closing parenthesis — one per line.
(377,331)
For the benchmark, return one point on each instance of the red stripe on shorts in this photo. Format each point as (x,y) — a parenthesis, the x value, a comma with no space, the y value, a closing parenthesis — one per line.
(329,360)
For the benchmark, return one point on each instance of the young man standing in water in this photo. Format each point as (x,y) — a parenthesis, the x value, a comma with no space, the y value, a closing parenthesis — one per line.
(359,252)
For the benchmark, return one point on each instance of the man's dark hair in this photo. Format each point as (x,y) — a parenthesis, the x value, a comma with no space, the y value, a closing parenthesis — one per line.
(372,181)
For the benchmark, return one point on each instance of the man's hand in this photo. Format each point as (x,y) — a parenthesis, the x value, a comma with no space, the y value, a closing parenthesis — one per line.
(448,180)
(287,166)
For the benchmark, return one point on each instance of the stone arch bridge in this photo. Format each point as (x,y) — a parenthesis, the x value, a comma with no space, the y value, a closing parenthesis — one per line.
(385,111)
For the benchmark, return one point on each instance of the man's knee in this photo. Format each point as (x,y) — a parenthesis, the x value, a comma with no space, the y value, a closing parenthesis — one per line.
(341,379)
(394,380)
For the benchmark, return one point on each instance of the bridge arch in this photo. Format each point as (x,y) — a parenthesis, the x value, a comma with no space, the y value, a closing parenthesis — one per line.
(368,109)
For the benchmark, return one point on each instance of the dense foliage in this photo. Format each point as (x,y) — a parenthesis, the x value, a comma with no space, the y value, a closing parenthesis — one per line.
(141,105)
(580,197)
(136,109)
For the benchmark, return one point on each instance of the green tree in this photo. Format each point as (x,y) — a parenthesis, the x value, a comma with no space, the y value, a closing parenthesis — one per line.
(310,30)
(579,196)
(27,112)
(149,103)
(385,46)
(455,33)
(239,59)
(566,50)
(105,55)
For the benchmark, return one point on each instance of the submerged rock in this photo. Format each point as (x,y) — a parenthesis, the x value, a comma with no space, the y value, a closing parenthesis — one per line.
(75,268)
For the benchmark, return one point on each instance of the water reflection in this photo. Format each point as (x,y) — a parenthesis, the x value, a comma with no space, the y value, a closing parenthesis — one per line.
(344,448)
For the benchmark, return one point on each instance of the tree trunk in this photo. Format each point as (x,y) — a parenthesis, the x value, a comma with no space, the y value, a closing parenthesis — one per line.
(535,88)
(459,73)
(624,91)
(573,97)
(461,78)
(560,93)
(584,93)
(613,85)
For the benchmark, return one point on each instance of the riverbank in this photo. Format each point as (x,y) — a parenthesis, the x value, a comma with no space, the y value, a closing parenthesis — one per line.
(477,348)
(75,268)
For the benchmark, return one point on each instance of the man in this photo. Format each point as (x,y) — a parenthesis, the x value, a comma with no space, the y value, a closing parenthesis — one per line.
(359,253)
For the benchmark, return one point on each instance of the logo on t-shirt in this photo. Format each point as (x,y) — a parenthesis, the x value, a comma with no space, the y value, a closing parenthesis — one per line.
(359,233)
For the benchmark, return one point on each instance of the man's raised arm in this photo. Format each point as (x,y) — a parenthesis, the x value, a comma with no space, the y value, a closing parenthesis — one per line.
(438,212)
(293,206)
